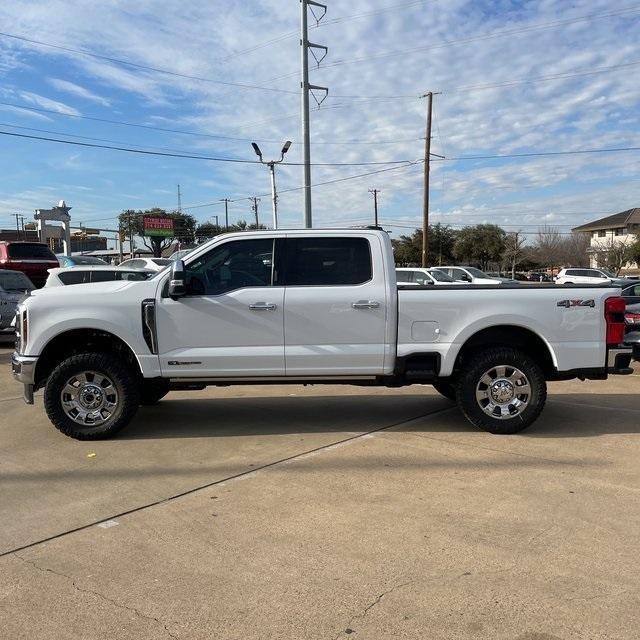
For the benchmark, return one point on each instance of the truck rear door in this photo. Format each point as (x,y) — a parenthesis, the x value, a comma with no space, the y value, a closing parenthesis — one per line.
(336,305)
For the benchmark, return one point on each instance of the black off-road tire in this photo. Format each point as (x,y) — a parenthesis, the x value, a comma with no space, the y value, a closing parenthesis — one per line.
(477,366)
(446,387)
(124,380)
(152,391)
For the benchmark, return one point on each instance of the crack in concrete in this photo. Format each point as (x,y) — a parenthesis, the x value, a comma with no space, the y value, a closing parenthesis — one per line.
(359,616)
(80,589)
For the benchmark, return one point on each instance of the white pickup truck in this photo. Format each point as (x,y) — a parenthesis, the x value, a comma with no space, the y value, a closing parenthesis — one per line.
(312,307)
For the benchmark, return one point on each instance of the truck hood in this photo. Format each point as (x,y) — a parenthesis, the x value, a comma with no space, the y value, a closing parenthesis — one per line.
(91,288)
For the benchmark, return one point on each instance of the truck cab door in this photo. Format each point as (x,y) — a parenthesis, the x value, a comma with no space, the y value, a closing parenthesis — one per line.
(230,323)
(336,306)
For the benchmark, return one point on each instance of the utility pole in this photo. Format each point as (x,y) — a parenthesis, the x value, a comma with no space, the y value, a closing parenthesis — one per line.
(17,217)
(179,200)
(375,204)
(427,167)
(306,89)
(226,213)
(254,208)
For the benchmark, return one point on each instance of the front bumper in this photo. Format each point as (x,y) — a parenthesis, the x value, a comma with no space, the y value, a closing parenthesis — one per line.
(24,370)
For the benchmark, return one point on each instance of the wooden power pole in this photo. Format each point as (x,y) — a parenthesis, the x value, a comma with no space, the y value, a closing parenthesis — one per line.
(375,193)
(427,167)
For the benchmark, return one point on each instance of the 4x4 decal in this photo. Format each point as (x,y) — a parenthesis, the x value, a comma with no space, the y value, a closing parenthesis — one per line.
(567,304)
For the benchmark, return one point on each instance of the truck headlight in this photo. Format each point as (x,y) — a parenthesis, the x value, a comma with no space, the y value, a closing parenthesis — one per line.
(22,329)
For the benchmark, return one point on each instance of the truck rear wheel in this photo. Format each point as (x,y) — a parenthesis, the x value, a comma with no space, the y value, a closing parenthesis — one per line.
(502,390)
(91,396)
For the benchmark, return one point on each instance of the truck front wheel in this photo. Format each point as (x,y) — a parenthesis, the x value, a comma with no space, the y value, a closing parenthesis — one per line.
(501,390)
(91,396)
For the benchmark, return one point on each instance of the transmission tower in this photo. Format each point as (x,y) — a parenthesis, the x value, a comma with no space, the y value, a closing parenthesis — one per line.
(319,53)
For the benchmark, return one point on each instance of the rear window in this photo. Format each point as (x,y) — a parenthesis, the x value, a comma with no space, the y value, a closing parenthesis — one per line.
(25,250)
(104,276)
(15,281)
(74,276)
(88,260)
(328,261)
(162,262)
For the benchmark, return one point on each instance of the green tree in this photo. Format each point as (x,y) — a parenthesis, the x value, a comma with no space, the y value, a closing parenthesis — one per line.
(131,223)
(481,244)
(408,249)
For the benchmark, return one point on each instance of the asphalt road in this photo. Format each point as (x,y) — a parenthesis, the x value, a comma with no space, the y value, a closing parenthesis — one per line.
(323,512)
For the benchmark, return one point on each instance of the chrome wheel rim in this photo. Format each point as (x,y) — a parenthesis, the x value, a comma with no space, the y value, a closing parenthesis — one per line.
(503,392)
(89,398)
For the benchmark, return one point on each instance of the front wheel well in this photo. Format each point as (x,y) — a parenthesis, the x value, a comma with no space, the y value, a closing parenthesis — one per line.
(511,336)
(79,341)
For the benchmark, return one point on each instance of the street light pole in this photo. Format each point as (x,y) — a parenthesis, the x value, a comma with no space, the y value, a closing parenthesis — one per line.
(272,170)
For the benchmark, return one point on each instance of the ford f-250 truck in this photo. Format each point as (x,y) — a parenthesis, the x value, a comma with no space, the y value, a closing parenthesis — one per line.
(311,307)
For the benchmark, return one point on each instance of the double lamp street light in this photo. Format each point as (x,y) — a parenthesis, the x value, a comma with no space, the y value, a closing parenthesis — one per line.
(271,164)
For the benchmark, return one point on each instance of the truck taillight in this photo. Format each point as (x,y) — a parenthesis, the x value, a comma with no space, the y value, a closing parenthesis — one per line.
(614,315)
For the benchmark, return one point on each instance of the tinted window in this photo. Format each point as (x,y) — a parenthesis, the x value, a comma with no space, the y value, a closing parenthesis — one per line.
(476,273)
(440,276)
(328,261)
(14,281)
(572,272)
(103,276)
(633,290)
(88,260)
(74,276)
(161,262)
(404,276)
(132,275)
(232,265)
(28,250)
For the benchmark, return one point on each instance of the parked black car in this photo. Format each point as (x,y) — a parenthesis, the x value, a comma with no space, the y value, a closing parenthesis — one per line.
(632,317)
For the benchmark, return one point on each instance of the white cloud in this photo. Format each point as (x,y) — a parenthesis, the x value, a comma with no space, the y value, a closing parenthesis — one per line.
(77,90)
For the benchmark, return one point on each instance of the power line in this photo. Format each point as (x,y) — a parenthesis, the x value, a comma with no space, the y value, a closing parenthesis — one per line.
(536,154)
(505,83)
(192,156)
(187,132)
(84,52)
(487,36)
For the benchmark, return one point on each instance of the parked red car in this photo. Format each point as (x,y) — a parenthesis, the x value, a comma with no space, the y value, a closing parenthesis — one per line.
(34,259)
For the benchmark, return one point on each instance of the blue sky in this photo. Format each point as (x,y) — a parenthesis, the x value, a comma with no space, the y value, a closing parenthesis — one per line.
(496,65)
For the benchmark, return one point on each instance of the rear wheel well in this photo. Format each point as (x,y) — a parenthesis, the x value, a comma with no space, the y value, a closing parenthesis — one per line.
(511,336)
(78,341)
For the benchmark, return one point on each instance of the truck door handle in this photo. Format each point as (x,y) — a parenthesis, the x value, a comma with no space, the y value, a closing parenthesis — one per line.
(262,306)
(365,304)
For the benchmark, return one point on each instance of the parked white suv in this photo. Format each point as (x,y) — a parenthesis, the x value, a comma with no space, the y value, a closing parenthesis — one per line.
(590,276)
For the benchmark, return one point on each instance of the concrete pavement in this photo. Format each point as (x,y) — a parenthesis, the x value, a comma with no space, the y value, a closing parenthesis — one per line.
(316,521)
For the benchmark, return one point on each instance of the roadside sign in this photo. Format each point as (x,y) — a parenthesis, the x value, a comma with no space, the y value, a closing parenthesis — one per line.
(158,226)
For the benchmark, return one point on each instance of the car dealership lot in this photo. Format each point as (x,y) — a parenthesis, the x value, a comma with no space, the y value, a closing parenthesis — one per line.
(323,512)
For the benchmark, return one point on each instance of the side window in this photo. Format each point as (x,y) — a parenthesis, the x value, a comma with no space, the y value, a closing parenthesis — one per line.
(572,272)
(328,261)
(74,277)
(421,278)
(131,275)
(232,265)
(457,274)
(404,276)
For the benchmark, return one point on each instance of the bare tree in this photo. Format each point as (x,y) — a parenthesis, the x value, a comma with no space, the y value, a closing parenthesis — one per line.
(548,247)
(616,256)
(514,251)
(575,250)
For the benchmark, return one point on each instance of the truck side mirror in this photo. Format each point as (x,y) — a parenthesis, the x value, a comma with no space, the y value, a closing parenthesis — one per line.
(177,280)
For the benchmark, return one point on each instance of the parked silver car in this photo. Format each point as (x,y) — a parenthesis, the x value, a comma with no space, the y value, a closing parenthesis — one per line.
(13,287)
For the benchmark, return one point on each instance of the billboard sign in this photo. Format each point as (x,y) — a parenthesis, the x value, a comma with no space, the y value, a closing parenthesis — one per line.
(158,226)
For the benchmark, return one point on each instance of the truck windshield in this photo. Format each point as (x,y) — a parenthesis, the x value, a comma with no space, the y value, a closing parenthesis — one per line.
(15,281)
